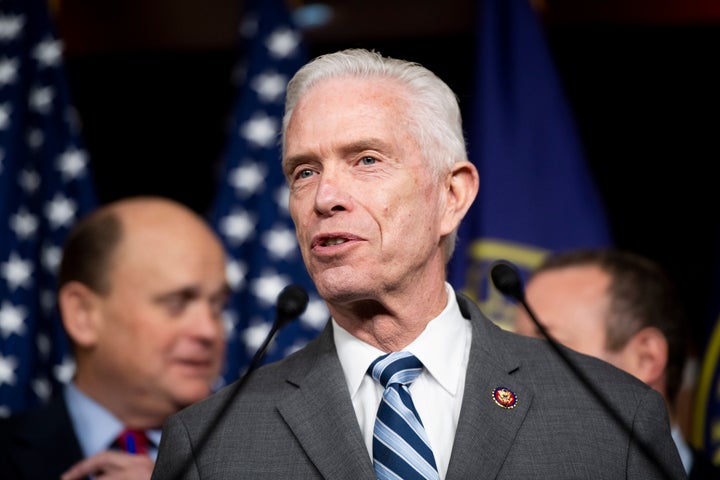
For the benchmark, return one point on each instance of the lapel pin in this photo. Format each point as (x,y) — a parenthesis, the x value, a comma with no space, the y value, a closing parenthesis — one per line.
(504,398)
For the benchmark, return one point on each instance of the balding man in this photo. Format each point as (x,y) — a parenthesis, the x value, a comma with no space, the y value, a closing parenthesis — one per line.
(141,290)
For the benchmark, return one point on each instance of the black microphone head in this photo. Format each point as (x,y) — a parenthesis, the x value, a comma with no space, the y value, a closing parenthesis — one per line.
(291,303)
(506,278)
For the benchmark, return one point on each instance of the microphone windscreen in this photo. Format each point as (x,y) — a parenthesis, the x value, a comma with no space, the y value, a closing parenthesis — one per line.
(506,278)
(291,302)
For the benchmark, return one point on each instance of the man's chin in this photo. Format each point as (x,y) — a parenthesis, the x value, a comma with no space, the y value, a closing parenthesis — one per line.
(189,396)
(190,391)
(340,285)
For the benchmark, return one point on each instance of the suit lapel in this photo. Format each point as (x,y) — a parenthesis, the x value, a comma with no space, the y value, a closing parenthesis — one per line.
(486,428)
(320,413)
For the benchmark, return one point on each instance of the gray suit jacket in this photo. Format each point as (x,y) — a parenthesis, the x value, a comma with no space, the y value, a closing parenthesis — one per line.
(295,419)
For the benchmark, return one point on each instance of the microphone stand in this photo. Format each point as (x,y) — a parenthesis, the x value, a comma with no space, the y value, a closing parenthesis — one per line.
(506,279)
(292,302)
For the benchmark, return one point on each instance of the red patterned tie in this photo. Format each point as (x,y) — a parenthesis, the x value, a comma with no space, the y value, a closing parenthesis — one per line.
(133,441)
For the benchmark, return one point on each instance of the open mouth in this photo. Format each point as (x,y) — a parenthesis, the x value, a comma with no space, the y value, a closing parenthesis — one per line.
(329,242)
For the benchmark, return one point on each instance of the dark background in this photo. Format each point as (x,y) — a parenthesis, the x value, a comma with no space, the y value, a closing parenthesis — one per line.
(152,82)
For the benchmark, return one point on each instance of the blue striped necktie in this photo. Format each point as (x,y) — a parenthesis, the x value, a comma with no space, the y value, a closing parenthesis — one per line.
(401,449)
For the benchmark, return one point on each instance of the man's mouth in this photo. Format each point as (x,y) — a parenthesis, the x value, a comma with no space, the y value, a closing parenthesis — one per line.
(333,239)
(329,242)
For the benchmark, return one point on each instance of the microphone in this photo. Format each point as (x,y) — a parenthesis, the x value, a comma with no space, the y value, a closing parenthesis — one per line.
(506,278)
(291,303)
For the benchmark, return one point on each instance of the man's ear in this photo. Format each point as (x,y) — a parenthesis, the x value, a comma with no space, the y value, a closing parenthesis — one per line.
(649,357)
(462,186)
(79,309)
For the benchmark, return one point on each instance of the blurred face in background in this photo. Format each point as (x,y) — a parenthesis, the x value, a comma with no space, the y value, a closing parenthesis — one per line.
(155,342)
(572,303)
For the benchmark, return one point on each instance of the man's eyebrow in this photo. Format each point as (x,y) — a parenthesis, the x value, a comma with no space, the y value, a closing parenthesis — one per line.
(289,163)
(189,291)
(366,144)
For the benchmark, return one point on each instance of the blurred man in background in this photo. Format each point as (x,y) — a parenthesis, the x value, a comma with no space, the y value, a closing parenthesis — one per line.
(141,289)
(622,308)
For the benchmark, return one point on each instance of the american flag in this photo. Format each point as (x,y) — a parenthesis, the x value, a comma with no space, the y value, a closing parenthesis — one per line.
(45,185)
(251,210)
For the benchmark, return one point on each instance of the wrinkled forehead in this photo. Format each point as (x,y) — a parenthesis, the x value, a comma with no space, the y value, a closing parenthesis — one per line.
(346,110)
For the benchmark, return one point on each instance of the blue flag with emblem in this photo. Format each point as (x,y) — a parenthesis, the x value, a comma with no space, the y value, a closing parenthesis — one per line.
(251,210)
(45,185)
(536,194)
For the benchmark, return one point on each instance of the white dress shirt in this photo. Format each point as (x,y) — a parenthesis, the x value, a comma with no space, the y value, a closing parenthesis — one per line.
(443,348)
(683,448)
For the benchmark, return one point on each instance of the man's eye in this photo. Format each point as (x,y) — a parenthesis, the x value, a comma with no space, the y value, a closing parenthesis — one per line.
(305,173)
(175,305)
(218,304)
(368,160)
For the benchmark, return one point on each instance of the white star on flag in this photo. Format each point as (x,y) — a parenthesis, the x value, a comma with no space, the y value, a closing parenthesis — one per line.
(41,99)
(24,224)
(282,198)
(236,272)
(72,163)
(51,257)
(42,388)
(261,129)
(283,42)
(29,180)
(60,211)
(48,52)
(238,226)
(248,178)
(315,315)
(12,319)
(281,242)
(255,334)
(267,287)
(64,371)
(270,86)
(17,272)
(8,364)
(229,323)
(10,26)
(8,71)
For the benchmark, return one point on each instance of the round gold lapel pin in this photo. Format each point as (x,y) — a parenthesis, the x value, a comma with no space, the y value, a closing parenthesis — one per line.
(504,397)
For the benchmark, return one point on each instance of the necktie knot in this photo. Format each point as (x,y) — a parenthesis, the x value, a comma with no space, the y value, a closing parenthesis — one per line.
(132,441)
(395,368)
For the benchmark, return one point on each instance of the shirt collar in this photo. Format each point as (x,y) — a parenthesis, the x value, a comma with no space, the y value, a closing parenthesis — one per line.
(95,426)
(440,347)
